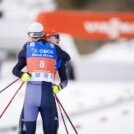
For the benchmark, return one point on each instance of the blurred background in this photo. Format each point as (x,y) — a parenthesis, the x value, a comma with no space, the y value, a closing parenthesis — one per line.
(99,36)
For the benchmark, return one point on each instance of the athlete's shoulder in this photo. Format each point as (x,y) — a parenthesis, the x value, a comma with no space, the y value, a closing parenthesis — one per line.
(62,54)
(22,53)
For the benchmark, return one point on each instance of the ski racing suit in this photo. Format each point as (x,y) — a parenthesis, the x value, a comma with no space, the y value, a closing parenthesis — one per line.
(42,60)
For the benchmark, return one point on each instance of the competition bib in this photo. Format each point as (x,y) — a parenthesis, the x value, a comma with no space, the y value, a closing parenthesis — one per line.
(41,61)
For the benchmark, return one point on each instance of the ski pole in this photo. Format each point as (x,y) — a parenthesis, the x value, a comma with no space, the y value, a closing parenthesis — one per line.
(11,100)
(9,85)
(63,118)
(66,114)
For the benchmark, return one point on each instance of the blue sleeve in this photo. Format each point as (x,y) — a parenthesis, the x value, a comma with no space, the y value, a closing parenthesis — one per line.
(21,63)
(18,67)
(63,75)
(58,64)
(61,54)
(22,53)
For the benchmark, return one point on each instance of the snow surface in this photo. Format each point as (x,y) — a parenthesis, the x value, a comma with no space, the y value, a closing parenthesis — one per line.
(93,107)
(121,51)
(113,61)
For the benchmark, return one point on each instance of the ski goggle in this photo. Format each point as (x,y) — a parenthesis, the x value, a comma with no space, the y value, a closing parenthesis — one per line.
(56,36)
(36,34)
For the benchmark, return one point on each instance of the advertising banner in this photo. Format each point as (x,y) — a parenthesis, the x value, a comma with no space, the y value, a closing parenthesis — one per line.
(90,25)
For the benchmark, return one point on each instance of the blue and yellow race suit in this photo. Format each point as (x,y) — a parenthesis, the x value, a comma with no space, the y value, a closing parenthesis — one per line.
(42,59)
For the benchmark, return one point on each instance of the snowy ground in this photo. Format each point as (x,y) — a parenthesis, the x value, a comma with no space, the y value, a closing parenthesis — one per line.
(113,61)
(93,107)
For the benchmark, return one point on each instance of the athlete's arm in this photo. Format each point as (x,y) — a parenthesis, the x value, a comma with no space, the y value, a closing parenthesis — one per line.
(22,53)
(61,54)
(21,63)
(63,75)
(18,67)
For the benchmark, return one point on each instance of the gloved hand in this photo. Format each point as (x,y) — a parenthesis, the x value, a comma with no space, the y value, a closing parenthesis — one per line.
(56,88)
(26,77)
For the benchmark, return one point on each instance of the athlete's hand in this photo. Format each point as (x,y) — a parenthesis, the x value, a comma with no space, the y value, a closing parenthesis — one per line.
(56,88)
(26,77)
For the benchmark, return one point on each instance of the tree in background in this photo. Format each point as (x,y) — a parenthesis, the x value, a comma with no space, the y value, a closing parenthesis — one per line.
(97,5)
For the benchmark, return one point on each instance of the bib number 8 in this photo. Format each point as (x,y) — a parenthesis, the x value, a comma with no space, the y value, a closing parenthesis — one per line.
(42,64)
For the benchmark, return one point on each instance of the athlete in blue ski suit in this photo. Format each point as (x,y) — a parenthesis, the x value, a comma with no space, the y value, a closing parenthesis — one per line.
(39,94)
